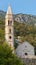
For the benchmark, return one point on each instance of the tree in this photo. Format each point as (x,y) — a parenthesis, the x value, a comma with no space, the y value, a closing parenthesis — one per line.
(7,57)
(15,43)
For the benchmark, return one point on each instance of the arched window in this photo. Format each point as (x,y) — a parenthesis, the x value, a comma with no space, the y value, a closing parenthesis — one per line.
(9,30)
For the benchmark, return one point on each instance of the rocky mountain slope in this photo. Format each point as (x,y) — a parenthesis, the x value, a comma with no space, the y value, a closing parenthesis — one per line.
(29,19)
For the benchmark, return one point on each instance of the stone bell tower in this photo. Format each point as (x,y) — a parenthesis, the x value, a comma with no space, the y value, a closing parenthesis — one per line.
(9,30)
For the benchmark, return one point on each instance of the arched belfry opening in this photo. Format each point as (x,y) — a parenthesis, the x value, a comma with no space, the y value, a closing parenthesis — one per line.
(9,22)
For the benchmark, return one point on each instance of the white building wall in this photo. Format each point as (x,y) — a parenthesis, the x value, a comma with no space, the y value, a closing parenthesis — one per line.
(25,48)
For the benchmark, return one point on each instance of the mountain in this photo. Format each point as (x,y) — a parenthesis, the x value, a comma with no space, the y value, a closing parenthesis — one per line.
(2,14)
(23,18)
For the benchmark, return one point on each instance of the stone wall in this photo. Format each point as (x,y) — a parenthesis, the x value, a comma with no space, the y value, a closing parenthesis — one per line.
(29,60)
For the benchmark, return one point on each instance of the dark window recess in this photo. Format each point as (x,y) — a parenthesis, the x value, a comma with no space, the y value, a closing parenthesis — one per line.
(26,54)
(9,30)
(9,22)
(9,37)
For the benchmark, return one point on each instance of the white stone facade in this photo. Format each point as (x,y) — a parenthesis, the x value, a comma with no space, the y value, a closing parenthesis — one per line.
(25,49)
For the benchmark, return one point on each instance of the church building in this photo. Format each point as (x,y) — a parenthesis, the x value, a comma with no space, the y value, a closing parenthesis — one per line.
(23,49)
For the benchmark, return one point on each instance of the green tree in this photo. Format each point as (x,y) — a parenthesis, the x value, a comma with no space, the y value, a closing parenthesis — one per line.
(7,57)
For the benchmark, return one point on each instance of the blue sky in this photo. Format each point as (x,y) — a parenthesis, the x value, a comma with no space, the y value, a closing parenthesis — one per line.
(19,6)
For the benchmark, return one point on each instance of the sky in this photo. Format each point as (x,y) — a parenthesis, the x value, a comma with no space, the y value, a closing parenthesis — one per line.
(19,6)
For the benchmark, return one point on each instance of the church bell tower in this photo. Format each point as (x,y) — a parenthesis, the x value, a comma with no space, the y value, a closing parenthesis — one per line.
(9,30)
